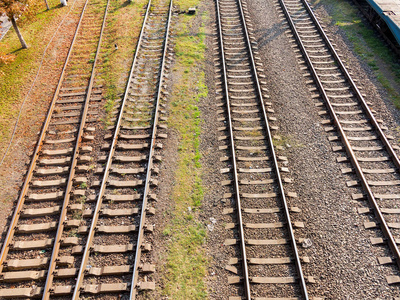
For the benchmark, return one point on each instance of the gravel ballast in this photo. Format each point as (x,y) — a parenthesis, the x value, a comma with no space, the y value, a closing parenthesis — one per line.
(343,261)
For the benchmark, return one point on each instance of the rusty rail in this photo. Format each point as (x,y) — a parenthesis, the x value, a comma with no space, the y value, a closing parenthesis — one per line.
(81,274)
(21,198)
(60,229)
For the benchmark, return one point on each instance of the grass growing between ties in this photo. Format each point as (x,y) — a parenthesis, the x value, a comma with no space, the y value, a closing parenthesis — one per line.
(286,141)
(186,266)
(123,27)
(368,46)
(16,76)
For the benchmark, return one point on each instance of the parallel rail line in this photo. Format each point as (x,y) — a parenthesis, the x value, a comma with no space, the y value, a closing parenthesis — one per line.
(270,266)
(63,216)
(114,246)
(49,182)
(95,228)
(368,149)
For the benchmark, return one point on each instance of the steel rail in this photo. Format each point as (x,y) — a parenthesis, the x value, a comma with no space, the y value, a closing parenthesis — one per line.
(343,137)
(150,162)
(234,163)
(60,230)
(100,196)
(275,163)
(21,199)
(276,167)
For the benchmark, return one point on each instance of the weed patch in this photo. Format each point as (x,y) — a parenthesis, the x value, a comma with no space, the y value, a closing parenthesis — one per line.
(122,30)
(186,265)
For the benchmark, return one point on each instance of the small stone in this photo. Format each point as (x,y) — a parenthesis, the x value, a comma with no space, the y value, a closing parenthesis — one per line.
(307,243)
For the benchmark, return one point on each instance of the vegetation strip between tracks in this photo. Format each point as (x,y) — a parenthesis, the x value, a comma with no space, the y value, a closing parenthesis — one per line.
(185,270)
(123,30)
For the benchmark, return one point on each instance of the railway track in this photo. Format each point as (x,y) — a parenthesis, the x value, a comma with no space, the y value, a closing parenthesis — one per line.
(80,225)
(89,231)
(58,164)
(269,265)
(112,257)
(354,128)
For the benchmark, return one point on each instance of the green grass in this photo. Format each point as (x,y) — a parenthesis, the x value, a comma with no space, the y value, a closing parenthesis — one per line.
(123,27)
(187,263)
(367,45)
(284,141)
(15,77)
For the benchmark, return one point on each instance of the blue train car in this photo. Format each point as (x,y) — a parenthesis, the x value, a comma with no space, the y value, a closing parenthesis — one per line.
(384,15)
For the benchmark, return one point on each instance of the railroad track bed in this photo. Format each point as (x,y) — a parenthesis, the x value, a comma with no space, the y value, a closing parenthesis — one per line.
(83,224)
(263,259)
(80,226)
(26,254)
(373,162)
(125,184)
